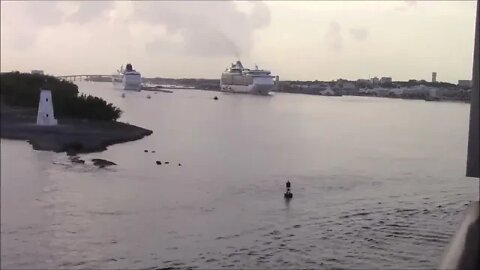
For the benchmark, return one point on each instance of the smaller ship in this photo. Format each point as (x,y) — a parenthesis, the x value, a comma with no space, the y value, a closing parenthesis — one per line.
(127,79)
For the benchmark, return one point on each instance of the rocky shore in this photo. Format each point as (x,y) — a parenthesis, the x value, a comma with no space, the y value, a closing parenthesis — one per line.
(70,135)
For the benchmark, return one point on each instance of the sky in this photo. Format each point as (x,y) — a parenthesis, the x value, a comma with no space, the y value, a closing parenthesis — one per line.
(301,40)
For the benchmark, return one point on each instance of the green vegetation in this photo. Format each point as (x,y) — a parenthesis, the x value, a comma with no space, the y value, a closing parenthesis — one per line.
(23,89)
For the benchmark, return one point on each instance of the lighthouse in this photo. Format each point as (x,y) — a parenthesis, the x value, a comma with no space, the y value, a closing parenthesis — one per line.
(45,116)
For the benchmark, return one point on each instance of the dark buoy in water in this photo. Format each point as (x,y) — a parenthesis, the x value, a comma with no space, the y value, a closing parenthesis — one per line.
(166,162)
(153,151)
(179,164)
(146,151)
(288,194)
(215,98)
(158,162)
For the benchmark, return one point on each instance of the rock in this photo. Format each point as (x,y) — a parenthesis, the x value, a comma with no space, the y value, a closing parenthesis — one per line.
(76,159)
(158,162)
(102,162)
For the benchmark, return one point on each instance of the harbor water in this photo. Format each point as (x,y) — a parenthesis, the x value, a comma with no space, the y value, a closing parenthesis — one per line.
(377,183)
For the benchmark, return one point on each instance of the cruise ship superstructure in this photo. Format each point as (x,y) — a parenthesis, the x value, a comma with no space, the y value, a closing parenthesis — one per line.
(237,79)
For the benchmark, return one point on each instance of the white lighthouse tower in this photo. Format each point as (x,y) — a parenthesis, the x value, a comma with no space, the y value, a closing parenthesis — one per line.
(45,115)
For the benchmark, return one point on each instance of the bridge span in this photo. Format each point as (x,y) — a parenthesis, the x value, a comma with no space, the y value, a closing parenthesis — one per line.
(83,77)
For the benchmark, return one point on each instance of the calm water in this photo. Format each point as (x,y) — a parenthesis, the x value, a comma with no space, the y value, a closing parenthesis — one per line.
(377,183)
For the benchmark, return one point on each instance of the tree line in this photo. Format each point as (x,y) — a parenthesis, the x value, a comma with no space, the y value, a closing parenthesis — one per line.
(23,89)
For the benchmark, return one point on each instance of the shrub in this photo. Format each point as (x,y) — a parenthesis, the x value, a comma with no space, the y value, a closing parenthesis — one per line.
(23,89)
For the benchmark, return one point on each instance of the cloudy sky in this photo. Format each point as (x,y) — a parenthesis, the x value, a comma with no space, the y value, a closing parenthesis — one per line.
(308,40)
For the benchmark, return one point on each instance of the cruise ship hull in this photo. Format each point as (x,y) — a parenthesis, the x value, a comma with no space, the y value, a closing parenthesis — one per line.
(259,89)
(127,82)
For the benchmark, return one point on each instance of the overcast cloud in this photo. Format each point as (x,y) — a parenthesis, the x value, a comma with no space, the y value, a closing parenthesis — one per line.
(297,40)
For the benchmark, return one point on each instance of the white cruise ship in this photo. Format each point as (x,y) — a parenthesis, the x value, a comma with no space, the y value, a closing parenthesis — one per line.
(127,79)
(238,79)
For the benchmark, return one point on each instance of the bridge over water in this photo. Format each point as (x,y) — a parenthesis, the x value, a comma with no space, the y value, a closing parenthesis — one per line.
(82,76)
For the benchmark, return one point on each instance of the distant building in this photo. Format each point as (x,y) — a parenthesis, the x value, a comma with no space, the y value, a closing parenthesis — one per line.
(465,83)
(37,71)
(345,87)
(327,92)
(434,77)
(317,86)
(375,80)
(386,80)
(363,81)
(349,86)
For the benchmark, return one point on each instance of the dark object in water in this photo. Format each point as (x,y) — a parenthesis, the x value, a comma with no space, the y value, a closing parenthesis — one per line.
(288,194)
(166,162)
(102,162)
(146,151)
(153,151)
(158,162)
(215,98)
(76,159)
(179,164)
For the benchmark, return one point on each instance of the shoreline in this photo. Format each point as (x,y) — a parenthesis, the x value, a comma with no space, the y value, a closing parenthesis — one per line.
(70,135)
(455,99)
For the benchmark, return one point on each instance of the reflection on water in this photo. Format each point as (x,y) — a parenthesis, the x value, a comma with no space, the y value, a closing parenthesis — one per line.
(377,183)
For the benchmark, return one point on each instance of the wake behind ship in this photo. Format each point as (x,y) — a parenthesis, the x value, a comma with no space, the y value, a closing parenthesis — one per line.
(127,79)
(238,79)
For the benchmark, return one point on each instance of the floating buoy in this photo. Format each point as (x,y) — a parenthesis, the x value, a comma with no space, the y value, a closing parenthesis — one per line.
(166,162)
(158,162)
(146,151)
(153,151)
(179,164)
(148,96)
(215,98)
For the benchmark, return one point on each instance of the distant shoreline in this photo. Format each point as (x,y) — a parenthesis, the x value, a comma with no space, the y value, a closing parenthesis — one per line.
(213,85)
(70,135)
